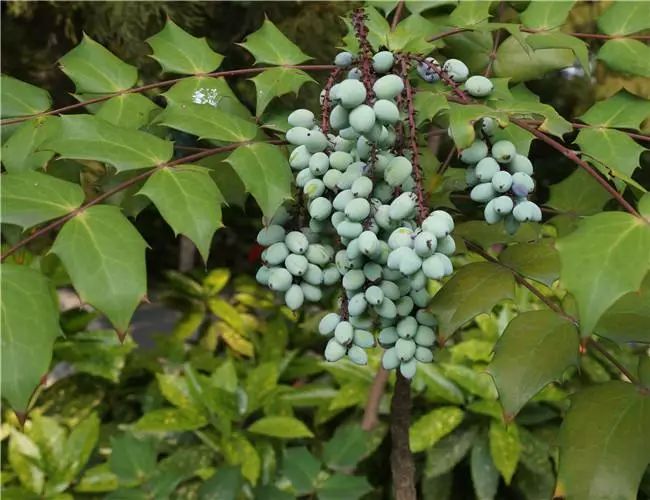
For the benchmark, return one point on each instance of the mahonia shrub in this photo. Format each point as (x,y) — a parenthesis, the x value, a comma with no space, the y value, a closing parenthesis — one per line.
(406,204)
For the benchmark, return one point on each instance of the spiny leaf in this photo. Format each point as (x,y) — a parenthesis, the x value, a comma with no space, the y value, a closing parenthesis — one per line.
(539,261)
(428,104)
(546,15)
(625,18)
(85,137)
(562,41)
(104,255)
(179,52)
(626,55)
(269,45)
(189,201)
(578,193)
(131,111)
(619,153)
(474,289)
(266,174)
(411,35)
(611,464)
(276,82)
(534,350)
(19,151)
(207,90)
(95,70)
(19,98)
(207,122)
(470,13)
(462,118)
(29,198)
(622,110)
(30,323)
(606,257)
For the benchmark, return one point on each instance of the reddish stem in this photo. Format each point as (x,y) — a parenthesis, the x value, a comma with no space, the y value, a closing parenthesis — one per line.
(640,137)
(398,15)
(443,168)
(325,108)
(365,52)
(597,36)
(444,77)
(164,83)
(371,411)
(120,187)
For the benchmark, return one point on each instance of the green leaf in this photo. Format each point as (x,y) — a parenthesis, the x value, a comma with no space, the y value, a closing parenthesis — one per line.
(207,122)
(615,149)
(301,468)
(622,110)
(223,485)
(462,118)
(281,427)
(85,137)
(189,201)
(437,385)
(24,459)
(449,451)
(132,459)
(131,111)
(179,52)
(238,450)
(30,323)
(562,41)
(275,82)
(539,261)
(604,442)
(427,430)
(269,45)
(473,381)
(485,476)
(95,70)
(579,193)
(78,447)
(628,319)
(29,198)
(470,13)
(534,350)
(170,420)
(18,98)
(606,257)
(97,479)
(553,122)
(207,90)
(97,352)
(512,60)
(626,56)
(473,48)
(104,256)
(518,136)
(624,18)
(505,448)
(474,289)
(351,444)
(411,35)
(341,487)
(429,104)
(19,150)
(546,15)
(266,174)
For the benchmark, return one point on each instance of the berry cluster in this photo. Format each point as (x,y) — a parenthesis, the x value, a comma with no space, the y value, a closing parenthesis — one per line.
(359,187)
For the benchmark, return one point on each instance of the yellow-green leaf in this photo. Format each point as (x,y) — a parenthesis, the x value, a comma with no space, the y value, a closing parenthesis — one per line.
(280,427)
(430,428)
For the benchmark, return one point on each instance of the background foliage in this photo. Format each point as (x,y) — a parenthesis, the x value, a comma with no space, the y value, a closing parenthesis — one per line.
(234,401)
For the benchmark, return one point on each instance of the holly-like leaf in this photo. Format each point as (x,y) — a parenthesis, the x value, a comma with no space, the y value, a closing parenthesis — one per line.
(534,350)
(546,15)
(539,261)
(189,201)
(622,110)
(85,137)
(281,427)
(207,90)
(553,122)
(275,82)
(514,61)
(472,47)
(266,174)
(626,55)
(18,98)
(179,52)
(95,70)
(611,465)
(104,255)
(624,18)
(470,13)
(562,41)
(30,323)
(207,122)
(127,110)
(462,118)
(628,320)
(411,35)
(505,448)
(29,198)
(269,45)
(474,289)
(301,468)
(579,193)
(605,258)
(615,149)
(19,150)
(430,428)
(428,104)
